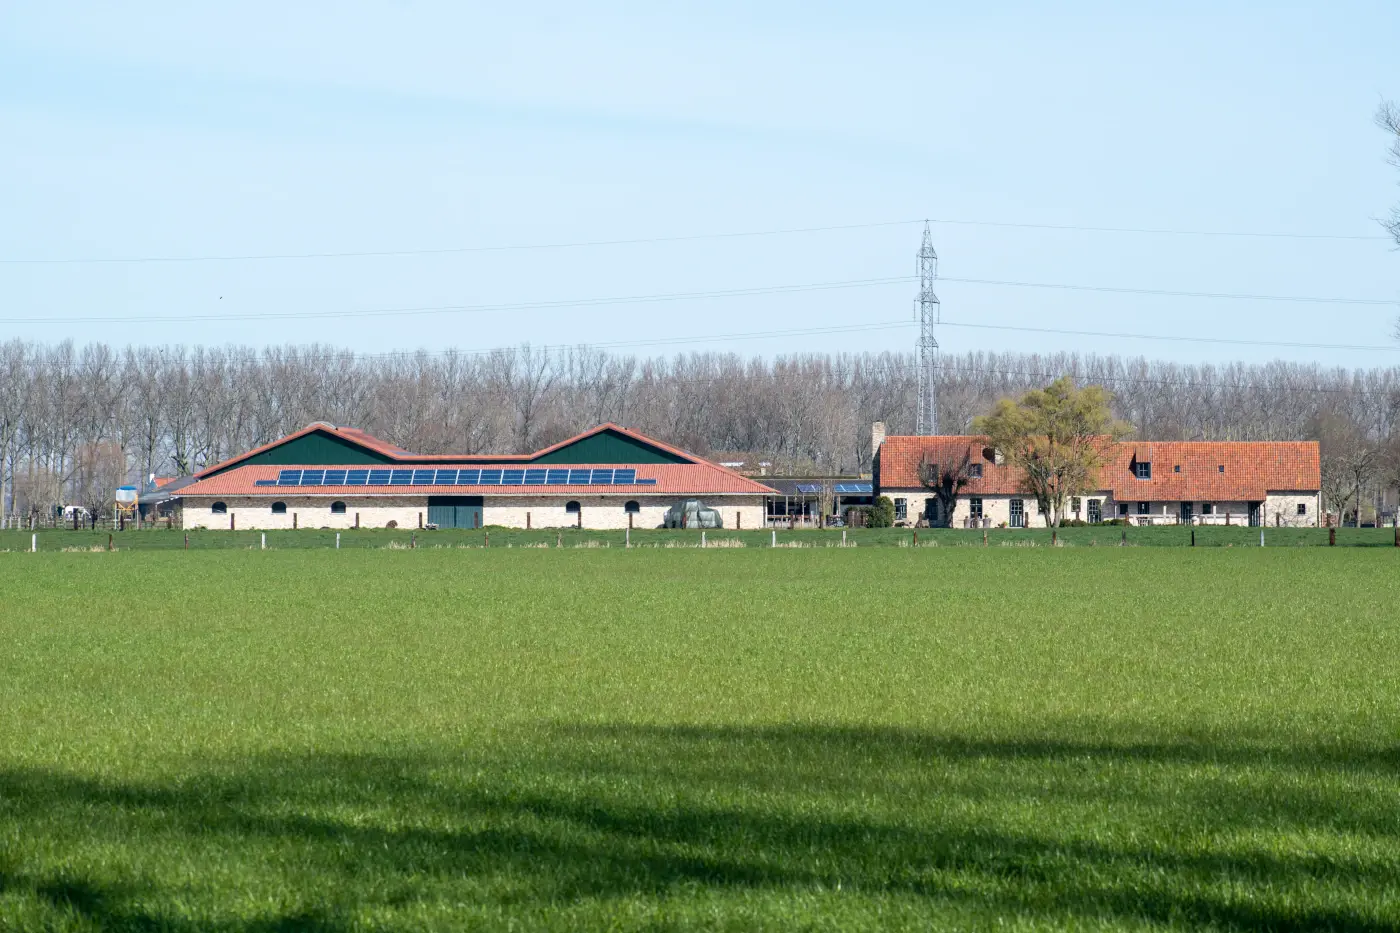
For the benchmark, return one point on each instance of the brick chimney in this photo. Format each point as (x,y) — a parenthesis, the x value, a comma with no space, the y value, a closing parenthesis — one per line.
(877,437)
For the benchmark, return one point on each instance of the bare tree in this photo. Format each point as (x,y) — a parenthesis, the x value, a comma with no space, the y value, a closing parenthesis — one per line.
(1388,119)
(946,476)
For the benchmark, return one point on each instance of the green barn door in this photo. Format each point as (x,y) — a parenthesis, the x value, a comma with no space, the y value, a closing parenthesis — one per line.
(455,511)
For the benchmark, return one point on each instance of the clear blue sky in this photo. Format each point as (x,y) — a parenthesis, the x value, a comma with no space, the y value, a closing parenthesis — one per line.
(186,129)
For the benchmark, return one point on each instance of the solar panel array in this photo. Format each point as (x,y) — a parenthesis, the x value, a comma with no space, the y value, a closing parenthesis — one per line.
(459,477)
(841,489)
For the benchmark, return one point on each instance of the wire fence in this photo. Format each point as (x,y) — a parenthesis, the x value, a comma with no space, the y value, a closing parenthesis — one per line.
(61,539)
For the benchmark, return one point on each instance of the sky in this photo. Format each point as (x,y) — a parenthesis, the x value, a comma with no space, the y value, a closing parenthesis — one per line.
(447,134)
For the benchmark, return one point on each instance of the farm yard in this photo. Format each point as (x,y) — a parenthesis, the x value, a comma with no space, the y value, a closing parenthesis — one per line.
(758,738)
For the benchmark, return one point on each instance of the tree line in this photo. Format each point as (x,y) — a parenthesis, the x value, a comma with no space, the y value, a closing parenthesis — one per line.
(77,421)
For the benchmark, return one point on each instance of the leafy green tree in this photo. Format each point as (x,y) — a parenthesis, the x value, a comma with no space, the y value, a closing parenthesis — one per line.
(1057,438)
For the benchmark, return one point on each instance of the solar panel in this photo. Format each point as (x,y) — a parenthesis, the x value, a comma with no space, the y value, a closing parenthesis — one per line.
(602,478)
(490,478)
(289,478)
(444,477)
(379,477)
(401,478)
(646,482)
(423,477)
(557,477)
(335,478)
(809,487)
(580,477)
(468,477)
(356,477)
(312,477)
(624,477)
(265,482)
(535,477)
(512,477)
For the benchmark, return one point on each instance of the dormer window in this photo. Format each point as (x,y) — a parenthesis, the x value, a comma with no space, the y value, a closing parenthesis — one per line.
(974,470)
(1142,469)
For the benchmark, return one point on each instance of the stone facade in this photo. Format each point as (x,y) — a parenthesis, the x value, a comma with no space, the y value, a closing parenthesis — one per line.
(597,512)
(1279,509)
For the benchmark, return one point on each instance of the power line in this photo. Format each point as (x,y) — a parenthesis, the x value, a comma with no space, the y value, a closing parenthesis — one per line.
(1168,293)
(579,244)
(459,309)
(1161,231)
(1192,339)
(635,241)
(685,296)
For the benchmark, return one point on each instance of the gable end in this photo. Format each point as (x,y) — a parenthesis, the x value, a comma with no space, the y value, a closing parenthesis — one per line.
(610,446)
(313,449)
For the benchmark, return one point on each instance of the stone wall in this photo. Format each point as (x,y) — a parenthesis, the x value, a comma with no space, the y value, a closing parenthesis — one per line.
(598,512)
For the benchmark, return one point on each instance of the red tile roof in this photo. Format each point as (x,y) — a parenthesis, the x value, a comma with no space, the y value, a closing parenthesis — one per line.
(672,479)
(1252,469)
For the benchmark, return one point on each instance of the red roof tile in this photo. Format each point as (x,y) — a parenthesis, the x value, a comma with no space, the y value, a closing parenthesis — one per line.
(1252,469)
(672,479)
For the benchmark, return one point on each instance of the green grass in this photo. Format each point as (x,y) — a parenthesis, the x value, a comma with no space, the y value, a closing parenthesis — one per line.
(941,738)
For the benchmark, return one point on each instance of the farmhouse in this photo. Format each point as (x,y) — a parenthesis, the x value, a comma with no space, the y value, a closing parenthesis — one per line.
(1158,482)
(325,476)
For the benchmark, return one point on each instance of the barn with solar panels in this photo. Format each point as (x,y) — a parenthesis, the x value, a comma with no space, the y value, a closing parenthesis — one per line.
(325,476)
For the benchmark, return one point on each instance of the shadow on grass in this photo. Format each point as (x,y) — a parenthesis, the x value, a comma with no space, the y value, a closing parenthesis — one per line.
(1131,834)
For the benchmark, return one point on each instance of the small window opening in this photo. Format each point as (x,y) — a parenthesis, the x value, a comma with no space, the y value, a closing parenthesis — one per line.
(1302,508)
(1221,468)
(974,470)
(337,508)
(219,508)
(1176,468)
(279,508)
(571,507)
(633,507)
(1207,508)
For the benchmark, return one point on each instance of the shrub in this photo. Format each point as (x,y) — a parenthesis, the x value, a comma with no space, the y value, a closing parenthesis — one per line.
(881,514)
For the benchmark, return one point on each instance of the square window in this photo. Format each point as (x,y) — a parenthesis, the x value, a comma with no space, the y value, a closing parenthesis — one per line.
(1122,508)
(1207,508)
(1302,508)
(974,470)
(1142,469)
(1144,508)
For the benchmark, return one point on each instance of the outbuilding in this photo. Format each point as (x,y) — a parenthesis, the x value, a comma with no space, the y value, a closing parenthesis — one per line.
(325,476)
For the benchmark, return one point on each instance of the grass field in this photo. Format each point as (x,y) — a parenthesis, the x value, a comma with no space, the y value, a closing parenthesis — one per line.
(735,739)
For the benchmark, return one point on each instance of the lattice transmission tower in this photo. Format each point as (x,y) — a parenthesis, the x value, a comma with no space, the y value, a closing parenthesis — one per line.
(930,313)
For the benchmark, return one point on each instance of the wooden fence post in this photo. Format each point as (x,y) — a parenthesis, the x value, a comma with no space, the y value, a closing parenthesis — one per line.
(187,540)
(1332,537)
(357,521)
(413,540)
(109,540)
(1193,537)
(294,522)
